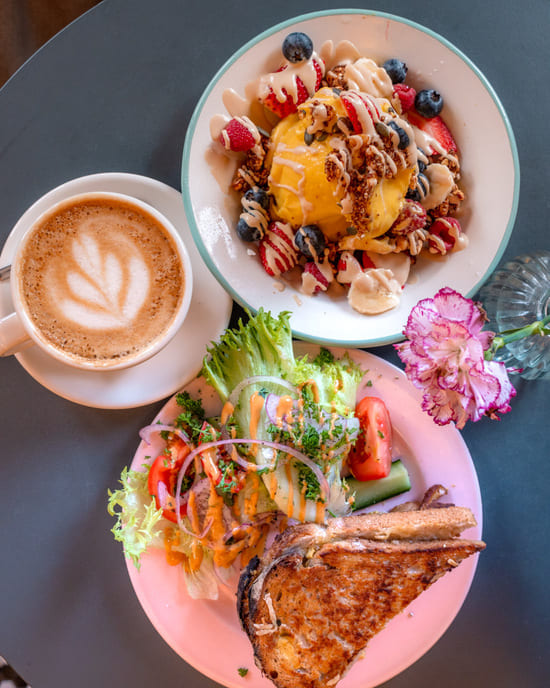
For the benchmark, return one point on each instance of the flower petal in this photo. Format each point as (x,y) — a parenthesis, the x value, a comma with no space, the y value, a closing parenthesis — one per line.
(444,357)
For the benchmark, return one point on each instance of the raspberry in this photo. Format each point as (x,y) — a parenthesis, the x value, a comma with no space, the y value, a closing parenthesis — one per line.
(412,216)
(443,235)
(406,95)
(237,136)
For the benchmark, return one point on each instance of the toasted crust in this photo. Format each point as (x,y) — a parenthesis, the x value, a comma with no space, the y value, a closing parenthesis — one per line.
(428,524)
(317,597)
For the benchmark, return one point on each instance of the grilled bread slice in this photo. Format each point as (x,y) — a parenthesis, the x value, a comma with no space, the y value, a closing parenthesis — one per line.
(320,593)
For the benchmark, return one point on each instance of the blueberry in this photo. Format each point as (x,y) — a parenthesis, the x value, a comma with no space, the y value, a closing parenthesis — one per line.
(403,136)
(420,161)
(297,47)
(396,69)
(428,103)
(422,188)
(310,241)
(413,195)
(248,233)
(256,195)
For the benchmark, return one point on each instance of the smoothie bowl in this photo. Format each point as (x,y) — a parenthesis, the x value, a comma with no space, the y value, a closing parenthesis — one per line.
(344,165)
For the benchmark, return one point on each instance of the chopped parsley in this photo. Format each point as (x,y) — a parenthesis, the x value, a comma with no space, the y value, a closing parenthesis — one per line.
(228,483)
(324,357)
(308,482)
(191,419)
(243,671)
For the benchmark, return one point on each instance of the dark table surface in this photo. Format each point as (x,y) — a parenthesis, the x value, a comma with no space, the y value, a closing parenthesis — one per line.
(115,91)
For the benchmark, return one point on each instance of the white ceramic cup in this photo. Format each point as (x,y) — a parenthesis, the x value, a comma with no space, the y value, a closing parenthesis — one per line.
(21,327)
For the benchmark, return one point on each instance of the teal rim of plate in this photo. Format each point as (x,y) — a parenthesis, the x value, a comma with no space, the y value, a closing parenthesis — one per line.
(389,339)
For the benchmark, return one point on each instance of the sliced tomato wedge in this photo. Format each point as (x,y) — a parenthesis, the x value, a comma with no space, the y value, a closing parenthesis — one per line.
(163,478)
(370,458)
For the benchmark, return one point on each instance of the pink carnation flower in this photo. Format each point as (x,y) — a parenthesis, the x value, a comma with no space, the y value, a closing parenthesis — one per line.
(444,357)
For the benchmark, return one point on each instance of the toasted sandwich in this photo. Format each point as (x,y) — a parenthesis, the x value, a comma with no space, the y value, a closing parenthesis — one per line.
(314,600)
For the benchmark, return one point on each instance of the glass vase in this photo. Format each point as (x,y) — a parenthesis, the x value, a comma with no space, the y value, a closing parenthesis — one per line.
(516,295)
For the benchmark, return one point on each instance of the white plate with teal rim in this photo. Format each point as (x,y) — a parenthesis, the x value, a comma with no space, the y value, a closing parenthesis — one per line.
(489,163)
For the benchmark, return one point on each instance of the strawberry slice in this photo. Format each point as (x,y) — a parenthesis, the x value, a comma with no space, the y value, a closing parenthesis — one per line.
(351,100)
(288,106)
(236,136)
(314,279)
(347,267)
(277,251)
(435,128)
(352,114)
(320,71)
(367,261)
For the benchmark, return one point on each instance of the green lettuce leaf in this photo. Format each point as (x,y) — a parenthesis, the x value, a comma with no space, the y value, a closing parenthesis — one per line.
(139,523)
(336,380)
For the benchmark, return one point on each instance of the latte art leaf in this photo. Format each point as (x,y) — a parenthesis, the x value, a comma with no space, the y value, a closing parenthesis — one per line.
(105,290)
(102,280)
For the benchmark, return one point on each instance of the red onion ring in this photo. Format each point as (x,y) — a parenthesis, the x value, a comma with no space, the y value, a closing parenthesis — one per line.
(323,483)
(146,432)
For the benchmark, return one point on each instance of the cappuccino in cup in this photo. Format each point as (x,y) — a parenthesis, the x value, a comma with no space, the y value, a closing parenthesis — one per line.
(102,281)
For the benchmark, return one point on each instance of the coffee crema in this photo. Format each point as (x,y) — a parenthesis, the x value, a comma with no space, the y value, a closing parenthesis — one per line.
(101,280)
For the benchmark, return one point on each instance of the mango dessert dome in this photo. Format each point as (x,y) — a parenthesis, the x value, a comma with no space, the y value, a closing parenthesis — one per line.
(347,175)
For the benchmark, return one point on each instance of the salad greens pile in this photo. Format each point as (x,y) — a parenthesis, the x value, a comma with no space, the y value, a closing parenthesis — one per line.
(326,388)
(318,395)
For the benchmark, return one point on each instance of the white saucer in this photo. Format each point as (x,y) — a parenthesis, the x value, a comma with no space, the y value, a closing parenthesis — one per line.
(174,366)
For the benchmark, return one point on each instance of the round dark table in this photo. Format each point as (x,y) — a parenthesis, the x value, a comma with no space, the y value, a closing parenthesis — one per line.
(114,92)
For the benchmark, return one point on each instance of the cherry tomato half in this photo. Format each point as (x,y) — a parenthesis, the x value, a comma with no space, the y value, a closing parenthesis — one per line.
(371,455)
(162,481)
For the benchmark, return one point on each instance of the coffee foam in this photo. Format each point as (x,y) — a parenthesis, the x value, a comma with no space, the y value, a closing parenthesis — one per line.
(101,279)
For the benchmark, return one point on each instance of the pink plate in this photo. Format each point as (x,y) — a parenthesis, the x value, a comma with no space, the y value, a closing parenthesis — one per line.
(207,634)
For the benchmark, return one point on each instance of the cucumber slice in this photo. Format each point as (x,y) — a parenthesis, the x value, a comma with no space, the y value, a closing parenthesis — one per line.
(369,492)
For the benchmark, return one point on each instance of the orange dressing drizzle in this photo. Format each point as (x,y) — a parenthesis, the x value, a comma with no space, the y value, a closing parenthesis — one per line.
(195,558)
(284,408)
(227,412)
(171,540)
(192,512)
(290,501)
(320,514)
(256,406)
(251,503)
(273,484)
(314,389)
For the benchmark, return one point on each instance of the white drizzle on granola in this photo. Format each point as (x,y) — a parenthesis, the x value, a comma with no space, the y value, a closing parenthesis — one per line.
(386,181)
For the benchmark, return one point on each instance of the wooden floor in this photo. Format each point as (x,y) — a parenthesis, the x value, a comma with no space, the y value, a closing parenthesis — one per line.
(25,25)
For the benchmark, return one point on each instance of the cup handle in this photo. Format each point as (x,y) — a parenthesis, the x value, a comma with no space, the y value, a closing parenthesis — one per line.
(13,335)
